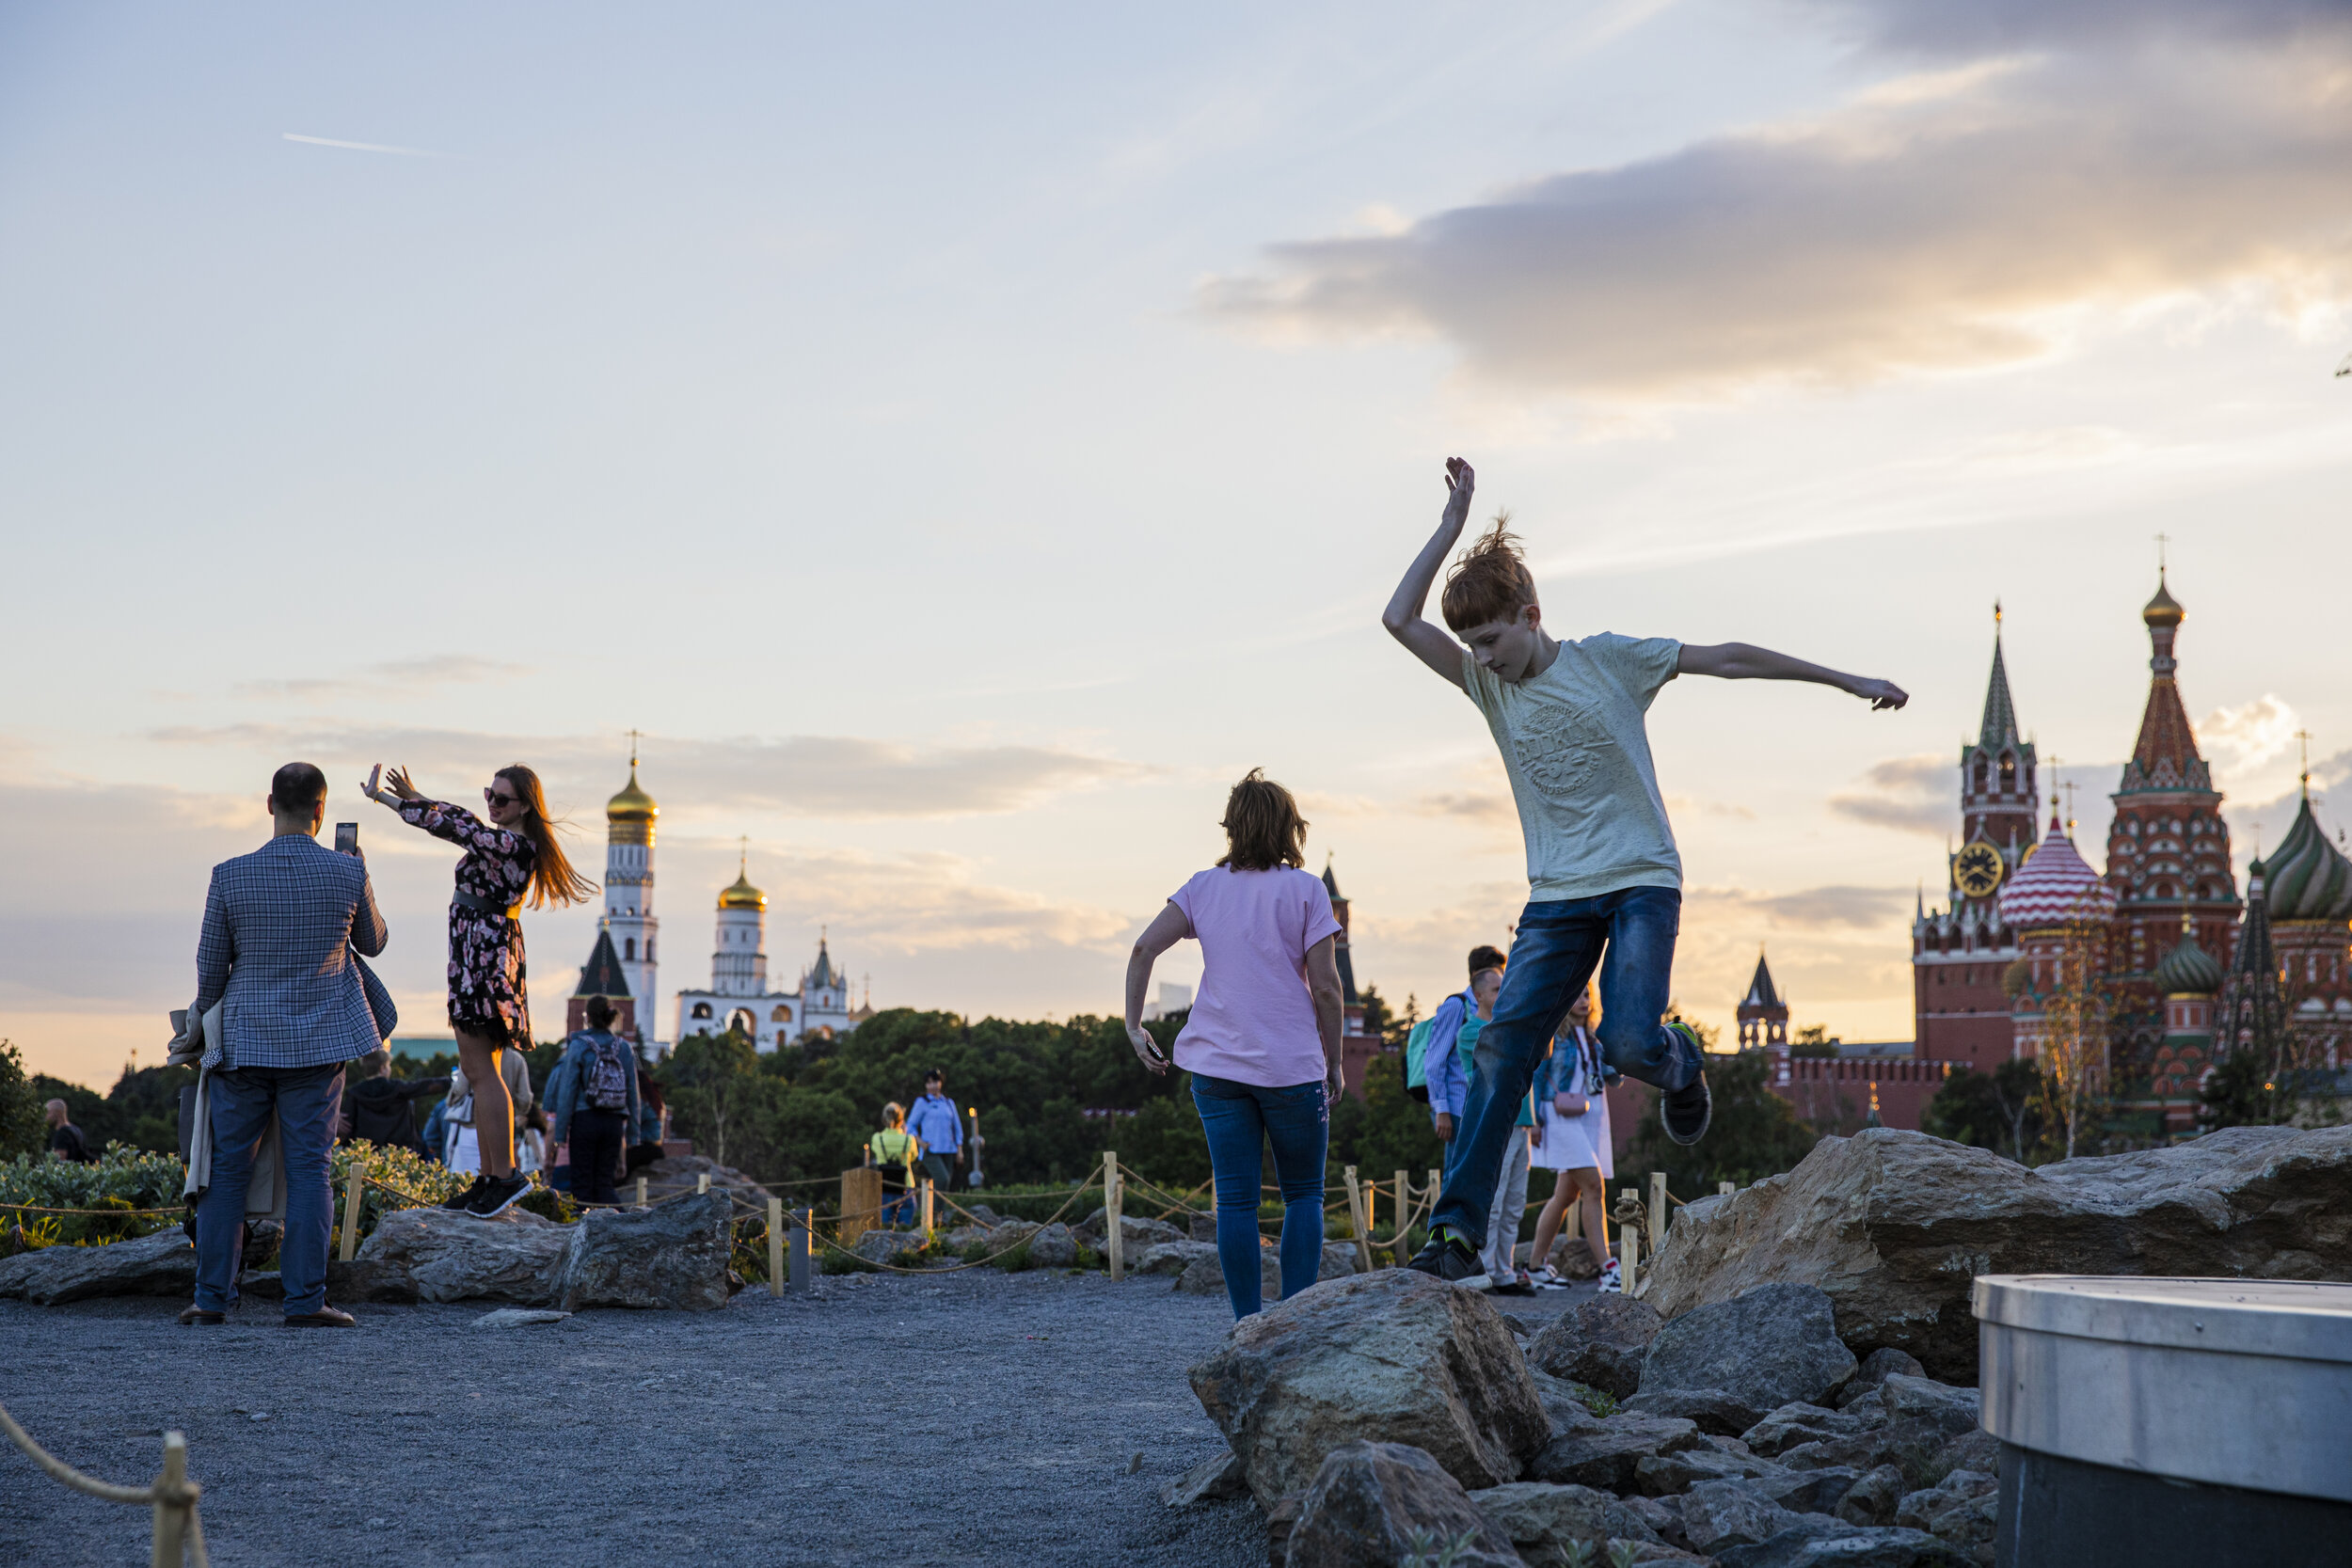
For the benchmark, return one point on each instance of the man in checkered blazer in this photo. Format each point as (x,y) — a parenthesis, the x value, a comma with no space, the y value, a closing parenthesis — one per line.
(281,927)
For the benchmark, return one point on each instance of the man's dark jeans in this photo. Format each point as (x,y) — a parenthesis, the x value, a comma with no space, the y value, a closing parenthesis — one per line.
(1558,945)
(596,1140)
(309,1100)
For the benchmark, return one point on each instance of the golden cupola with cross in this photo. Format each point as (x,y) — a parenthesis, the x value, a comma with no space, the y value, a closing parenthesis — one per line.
(628,916)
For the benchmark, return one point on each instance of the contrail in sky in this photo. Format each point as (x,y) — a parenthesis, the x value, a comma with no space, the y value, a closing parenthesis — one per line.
(367,147)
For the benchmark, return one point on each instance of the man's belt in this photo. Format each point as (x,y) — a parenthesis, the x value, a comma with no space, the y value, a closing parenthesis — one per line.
(465,900)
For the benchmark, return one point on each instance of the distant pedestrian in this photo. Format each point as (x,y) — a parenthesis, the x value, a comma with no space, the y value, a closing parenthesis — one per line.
(514,854)
(65,1139)
(893,1149)
(594,1099)
(1572,1140)
(939,1126)
(465,1129)
(653,1122)
(380,1109)
(281,926)
(1445,1074)
(1263,1039)
(1500,1271)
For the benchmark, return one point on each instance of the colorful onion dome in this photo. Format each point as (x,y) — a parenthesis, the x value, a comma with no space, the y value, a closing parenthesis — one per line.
(2306,878)
(2055,885)
(631,804)
(2188,970)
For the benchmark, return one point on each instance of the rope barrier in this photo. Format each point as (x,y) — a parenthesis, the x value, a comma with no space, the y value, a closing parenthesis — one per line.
(110,1214)
(179,1533)
(972,1263)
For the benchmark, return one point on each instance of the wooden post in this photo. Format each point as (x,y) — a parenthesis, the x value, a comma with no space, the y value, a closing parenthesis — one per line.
(803,1245)
(1629,1247)
(1114,1210)
(1358,1213)
(1436,1185)
(640,1192)
(355,1186)
(1727,1188)
(861,1202)
(1657,1212)
(924,1213)
(775,1246)
(702,1183)
(171,1519)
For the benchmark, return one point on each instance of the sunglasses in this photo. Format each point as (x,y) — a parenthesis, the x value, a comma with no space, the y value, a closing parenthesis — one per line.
(496,800)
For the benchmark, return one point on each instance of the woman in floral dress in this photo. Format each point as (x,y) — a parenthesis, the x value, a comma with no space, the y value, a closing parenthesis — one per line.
(512,858)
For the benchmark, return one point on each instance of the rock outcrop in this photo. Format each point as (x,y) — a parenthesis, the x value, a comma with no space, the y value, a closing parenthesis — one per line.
(1394,1357)
(887,1246)
(1608,1454)
(1599,1342)
(1769,1345)
(671,1256)
(1053,1247)
(513,1257)
(1372,1504)
(1543,1521)
(1134,1234)
(1895,1226)
(163,1264)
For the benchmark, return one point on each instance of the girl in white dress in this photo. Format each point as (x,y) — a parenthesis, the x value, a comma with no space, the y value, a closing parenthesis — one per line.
(1572,1138)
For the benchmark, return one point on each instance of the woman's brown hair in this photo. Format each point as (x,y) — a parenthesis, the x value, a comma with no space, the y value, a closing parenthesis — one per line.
(553,878)
(1263,828)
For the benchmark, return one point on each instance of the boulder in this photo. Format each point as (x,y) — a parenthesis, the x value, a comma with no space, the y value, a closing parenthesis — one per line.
(1134,1234)
(1668,1475)
(1172,1257)
(673,1255)
(1895,1226)
(1205,1276)
(1543,1520)
(961,1237)
(1951,1411)
(1394,1355)
(1713,1410)
(1201,1225)
(515,1257)
(1816,1543)
(1721,1514)
(887,1246)
(1873,1499)
(518,1317)
(163,1264)
(1808,1491)
(1339,1261)
(1599,1342)
(1875,1368)
(1769,1345)
(1053,1247)
(1371,1504)
(982,1214)
(1567,1405)
(1793,1424)
(1214,1479)
(369,1280)
(1962,1510)
(1008,1236)
(1608,1454)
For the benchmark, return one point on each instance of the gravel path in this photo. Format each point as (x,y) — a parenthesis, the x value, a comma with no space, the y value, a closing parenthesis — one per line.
(973,1418)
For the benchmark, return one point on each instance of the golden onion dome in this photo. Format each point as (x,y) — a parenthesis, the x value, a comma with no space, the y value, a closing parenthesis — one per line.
(631,804)
(2163,610)
(743,896)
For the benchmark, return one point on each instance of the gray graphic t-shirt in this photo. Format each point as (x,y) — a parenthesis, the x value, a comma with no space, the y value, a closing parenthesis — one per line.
(1578,754)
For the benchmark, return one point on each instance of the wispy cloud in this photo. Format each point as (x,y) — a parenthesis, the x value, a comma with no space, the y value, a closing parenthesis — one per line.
(369,147)
(1912,795)
(1807,909)
(410,676)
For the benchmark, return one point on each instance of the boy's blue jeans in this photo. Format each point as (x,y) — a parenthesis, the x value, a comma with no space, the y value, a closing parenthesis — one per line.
(1559,943)
(1240,1119)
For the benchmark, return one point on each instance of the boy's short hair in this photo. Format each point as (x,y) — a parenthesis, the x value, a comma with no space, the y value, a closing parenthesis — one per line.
(1484,956)
(1490,582)
(1482,974)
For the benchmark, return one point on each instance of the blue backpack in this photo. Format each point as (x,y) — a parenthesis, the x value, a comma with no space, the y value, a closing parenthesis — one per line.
(1417,1060)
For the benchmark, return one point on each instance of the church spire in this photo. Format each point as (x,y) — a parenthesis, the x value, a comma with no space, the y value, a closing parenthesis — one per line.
(2165,756)
(2000,713)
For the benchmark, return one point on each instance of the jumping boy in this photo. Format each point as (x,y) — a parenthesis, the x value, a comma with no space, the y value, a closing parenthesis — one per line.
(1601,868)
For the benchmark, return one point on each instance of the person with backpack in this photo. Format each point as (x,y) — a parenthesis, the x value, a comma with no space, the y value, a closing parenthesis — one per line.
(1430,1058)
(592,1096)
(894,1148)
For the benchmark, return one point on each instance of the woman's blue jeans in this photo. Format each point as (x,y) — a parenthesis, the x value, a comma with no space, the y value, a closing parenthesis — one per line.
(1240,1119)
(1557,946)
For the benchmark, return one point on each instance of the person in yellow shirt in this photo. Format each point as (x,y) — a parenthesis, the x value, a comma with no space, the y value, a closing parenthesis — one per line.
(894,1148)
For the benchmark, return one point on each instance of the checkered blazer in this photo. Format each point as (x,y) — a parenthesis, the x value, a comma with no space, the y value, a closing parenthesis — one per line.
(279,926)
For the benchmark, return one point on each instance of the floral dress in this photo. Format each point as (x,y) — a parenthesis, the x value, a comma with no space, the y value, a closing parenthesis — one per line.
(487,995)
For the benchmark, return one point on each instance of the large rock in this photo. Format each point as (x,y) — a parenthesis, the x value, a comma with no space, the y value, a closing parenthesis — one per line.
(1962,1510)
(1715,1411)
(887,1246)
(369,1280)
(1204,1275)
(1666,1475)
(1134,1234)
(1172,1257)
(1339,1261)
(1599,1342)
(1721,1514)
(1372,1504)
(1543,1520)
(1769,1345)
(1393,1357)
(673,1255)
(1213,1480)
(1607,1455)
(1567,1405)
(1792,1424)
(1895,1226)
(163,1264)
(513,1257)
(1053,1247)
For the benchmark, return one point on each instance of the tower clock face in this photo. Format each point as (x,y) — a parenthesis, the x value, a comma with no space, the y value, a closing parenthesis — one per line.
(1977,869)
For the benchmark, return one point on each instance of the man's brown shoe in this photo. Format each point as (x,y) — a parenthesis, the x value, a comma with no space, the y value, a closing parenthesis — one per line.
(326,1317)
(197,1315)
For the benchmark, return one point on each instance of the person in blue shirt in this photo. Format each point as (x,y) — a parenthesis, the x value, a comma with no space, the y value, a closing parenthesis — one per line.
(598,1134)
(1445,1068)
(939,1126)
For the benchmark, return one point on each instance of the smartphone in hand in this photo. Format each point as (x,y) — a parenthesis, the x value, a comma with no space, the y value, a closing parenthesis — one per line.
(347,838)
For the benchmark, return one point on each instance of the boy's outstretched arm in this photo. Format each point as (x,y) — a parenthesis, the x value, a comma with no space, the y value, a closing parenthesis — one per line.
(1743,661)
(1403,617)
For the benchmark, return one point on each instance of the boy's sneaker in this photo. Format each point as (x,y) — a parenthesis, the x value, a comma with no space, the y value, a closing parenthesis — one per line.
(499,1194)
(1521,1284)
(1612,1278)
(465,1201)
(1449,1261)
(1687,1111)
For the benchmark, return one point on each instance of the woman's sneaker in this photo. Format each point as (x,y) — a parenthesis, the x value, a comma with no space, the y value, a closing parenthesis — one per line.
(499,1194)
(465,1201)
(1548,1278)
(1612,1278)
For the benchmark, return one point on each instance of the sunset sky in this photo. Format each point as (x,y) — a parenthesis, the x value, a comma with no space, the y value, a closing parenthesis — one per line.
(965,440)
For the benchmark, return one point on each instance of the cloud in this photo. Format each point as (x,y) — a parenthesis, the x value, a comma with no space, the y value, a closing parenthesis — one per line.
(1912,795)
(842,777)
(367,147)
(2101,157)
(394,677)
(2243,737)
(1478,805)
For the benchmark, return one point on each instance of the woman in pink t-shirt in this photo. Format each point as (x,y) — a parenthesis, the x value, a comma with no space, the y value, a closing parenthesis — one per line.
(1263,1041)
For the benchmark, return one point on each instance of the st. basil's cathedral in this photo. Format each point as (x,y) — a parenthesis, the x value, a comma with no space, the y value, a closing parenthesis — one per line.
(2192,970)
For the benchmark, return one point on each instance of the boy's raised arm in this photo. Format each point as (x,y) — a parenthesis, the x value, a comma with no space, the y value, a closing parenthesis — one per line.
(1744,661)
(1403,617)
